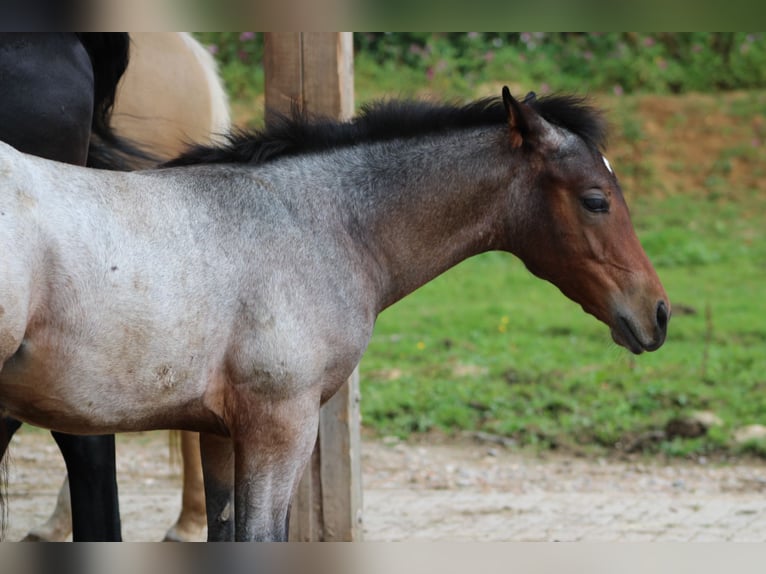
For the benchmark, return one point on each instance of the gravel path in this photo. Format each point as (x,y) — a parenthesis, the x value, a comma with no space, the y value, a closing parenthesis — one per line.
(463,492)
(471,492)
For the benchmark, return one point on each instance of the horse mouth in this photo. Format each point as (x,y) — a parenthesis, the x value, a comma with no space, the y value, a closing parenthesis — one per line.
(624,335)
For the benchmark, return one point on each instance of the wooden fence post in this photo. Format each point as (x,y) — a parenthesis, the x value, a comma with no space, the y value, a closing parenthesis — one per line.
(315,70)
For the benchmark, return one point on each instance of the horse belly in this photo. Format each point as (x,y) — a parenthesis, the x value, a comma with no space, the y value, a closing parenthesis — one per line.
(86,393)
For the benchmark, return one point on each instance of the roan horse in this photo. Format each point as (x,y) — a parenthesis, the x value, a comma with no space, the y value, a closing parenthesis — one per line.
(234,291)
(165,68)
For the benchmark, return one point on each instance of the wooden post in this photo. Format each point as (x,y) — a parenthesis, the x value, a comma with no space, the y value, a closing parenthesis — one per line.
(315,71)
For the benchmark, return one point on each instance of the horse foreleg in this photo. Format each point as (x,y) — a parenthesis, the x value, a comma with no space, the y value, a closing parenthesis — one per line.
(218,469)
(271,448)
(193,518)
(59,525)
(92,485)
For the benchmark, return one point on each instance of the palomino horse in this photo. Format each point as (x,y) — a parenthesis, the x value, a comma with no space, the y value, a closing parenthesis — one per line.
(174,121)
(234,291)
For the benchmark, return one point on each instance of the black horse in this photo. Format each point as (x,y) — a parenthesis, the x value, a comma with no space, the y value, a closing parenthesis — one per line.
(59,92)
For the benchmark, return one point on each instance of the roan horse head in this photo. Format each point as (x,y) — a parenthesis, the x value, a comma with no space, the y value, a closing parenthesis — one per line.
(586,245)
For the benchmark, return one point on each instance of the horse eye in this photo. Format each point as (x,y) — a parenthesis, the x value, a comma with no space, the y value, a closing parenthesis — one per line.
(595,203)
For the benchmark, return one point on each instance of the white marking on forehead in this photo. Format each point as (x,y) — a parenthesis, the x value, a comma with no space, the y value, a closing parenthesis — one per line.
(607,164)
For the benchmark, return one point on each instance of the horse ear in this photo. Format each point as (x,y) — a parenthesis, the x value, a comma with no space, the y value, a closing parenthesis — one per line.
(517,121)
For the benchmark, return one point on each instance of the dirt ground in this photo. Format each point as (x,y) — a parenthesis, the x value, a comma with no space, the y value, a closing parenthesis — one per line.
(465,491)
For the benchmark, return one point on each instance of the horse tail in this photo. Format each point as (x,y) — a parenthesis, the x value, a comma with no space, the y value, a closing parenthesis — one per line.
(109,54)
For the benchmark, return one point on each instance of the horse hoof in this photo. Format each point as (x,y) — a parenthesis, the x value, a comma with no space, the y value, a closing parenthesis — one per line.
(173,536)
(32,537)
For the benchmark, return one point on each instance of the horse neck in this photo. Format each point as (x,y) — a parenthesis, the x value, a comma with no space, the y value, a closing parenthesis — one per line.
(420,207)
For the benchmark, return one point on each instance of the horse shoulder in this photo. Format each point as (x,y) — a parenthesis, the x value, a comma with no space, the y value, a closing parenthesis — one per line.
(288,341)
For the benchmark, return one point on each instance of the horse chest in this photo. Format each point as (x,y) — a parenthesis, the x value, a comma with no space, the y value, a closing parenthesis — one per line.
(287,353)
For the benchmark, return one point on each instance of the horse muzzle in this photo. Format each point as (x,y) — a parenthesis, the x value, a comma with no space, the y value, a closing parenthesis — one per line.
(629,332)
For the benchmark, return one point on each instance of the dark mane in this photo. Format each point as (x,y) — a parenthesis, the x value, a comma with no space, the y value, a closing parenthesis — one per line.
(383,121)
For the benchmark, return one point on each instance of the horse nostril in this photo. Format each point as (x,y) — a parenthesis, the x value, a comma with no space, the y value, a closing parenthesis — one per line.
(662,316)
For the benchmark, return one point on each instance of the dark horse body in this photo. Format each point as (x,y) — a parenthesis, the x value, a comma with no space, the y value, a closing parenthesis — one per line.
(59,88)
(233,292)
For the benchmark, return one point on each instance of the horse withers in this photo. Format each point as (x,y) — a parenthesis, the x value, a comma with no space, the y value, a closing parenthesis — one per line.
(235,290)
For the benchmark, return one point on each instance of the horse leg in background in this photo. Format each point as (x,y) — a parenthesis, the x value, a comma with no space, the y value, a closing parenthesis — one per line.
(59,525)
(10,426)
(218,469)
(193,517)
(189,526)
(90,463)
